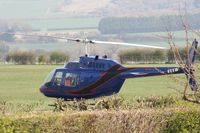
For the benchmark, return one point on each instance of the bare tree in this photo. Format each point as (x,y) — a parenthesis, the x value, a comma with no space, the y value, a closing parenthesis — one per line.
(190,69)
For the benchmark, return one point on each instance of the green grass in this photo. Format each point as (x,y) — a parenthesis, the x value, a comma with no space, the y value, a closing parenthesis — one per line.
(147,86)
(20,84)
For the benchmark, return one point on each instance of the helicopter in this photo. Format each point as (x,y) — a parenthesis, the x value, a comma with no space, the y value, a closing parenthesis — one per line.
(94,76)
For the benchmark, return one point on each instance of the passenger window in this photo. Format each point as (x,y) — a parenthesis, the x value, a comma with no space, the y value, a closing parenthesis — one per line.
(58,78)
(71,80)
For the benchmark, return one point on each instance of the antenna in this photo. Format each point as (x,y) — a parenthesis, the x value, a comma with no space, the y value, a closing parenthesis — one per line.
(86,48)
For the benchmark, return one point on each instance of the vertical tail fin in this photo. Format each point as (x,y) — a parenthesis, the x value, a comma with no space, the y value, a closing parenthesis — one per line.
(190,60)
(192,53)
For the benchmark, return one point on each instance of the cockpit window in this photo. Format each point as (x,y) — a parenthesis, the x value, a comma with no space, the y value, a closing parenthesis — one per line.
(49,77)
(58,78)
(71,80)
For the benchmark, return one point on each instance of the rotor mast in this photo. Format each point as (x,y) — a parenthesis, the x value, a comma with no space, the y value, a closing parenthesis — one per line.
(86,49)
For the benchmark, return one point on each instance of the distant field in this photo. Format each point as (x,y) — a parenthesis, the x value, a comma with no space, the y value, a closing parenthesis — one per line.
(27,8)
(64,24)
(157,38)
(44,15)
(20,84)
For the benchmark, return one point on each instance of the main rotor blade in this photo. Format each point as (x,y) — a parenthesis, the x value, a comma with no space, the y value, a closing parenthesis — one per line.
(85,41)
(127,44)
(47,36)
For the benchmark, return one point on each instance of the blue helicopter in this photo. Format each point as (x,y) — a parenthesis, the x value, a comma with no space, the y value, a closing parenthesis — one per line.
(94,76)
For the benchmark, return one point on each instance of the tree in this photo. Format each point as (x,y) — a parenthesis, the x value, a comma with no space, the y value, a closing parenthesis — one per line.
(158,56)
(58,57)
(42,59)
(21,57)
(142,56)
(170,56)
(191,70)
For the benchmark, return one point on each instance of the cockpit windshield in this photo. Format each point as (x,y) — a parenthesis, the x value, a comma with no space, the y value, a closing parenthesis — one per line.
(49,77)
(61,78)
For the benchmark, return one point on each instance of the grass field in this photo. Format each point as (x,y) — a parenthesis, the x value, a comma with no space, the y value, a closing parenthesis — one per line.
(20,84)
(27,110)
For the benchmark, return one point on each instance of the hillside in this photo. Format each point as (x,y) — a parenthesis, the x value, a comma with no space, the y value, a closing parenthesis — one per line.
(54,9)
(126,7)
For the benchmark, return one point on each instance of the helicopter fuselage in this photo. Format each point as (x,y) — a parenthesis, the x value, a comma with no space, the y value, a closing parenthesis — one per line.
(92,77)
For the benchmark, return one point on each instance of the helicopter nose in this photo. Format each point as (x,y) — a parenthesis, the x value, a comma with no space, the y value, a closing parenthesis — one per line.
(43,88)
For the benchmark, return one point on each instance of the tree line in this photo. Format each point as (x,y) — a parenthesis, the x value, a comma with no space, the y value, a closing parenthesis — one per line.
(30,57)
(120,25)
(151,56)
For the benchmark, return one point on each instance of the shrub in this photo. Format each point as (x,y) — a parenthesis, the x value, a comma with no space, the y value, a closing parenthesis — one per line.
(170,56)
(3,107)
(83,122)
(142,56)
(22,57)
(183,122)
(58,57)
(113,102)
(157,101)
(42,59)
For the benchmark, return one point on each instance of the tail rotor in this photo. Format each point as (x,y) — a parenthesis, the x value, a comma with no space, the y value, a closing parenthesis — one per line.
(189,69)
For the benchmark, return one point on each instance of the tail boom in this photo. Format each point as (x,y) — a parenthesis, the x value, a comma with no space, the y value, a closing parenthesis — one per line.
(150,71)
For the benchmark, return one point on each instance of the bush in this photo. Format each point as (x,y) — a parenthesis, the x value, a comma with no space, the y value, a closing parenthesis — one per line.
(142,56)
(110,103)
(183,122)
(22,57)
(152,56)
(58,57)
(157,101)
(82,122)
(113,102)
(43,59)
(170,56)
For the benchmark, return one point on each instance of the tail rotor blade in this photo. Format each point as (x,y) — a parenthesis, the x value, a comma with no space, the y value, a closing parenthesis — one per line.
(192,53)
(190,71)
